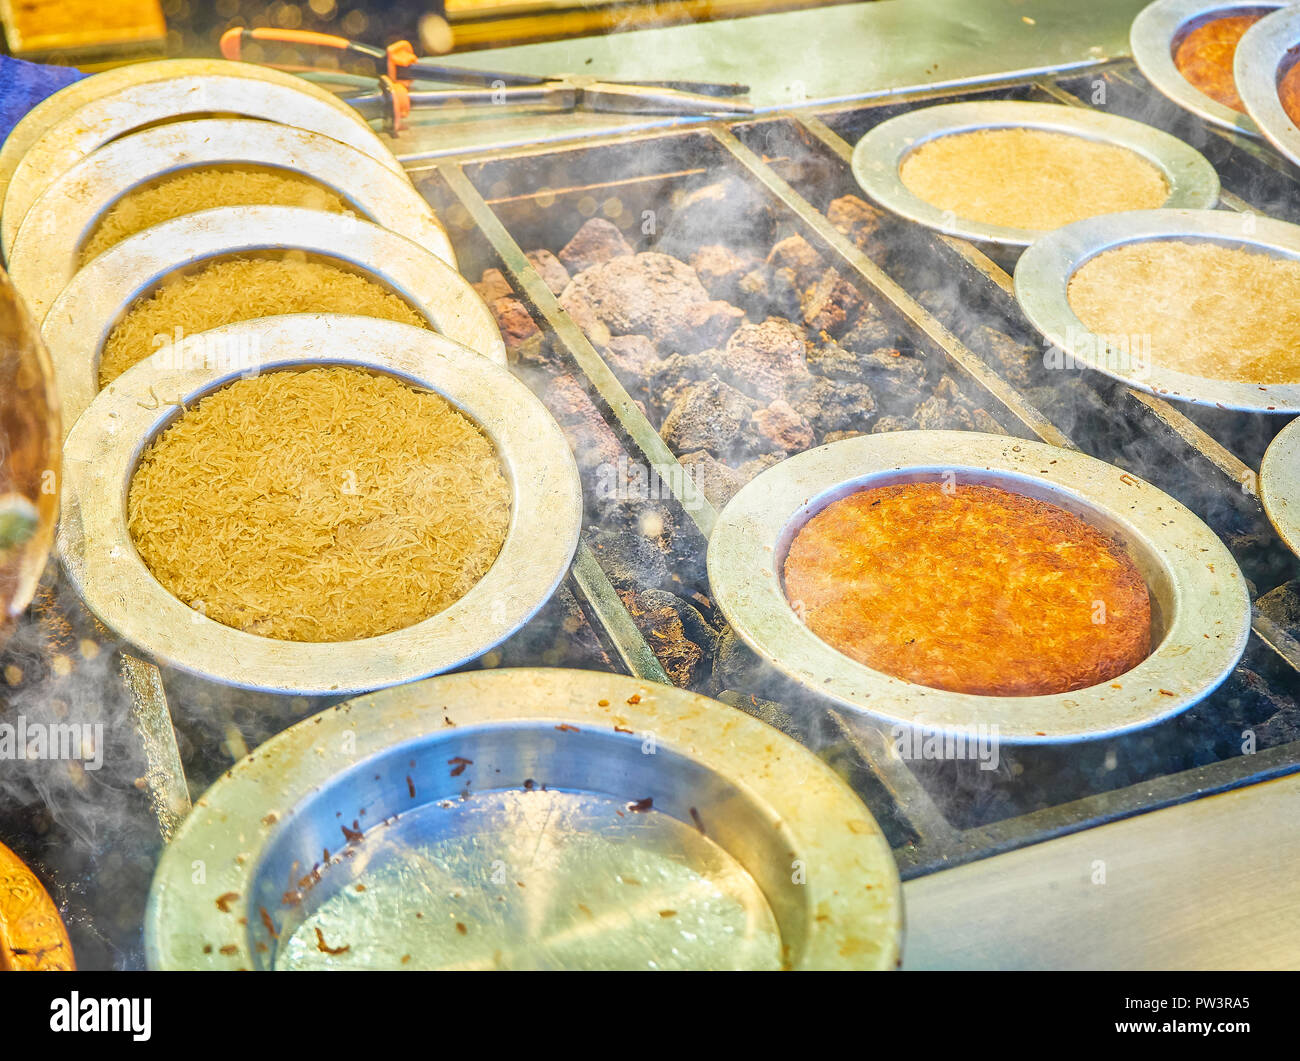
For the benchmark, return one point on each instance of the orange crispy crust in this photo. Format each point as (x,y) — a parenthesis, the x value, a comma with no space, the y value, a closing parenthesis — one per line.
(1205,57)
(974,591)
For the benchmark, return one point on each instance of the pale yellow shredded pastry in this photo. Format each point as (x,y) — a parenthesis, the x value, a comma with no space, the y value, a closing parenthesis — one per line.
(326,504)
(1201,308)
(240,289)
(203,189)
(1030,178)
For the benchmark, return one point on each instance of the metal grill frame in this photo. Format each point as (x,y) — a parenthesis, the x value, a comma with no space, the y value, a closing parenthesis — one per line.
(932,842)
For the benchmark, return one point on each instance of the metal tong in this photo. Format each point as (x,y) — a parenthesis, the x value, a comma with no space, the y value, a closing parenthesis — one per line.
(397,66)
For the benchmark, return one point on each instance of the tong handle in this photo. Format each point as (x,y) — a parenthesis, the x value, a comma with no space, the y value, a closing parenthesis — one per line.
(391,61)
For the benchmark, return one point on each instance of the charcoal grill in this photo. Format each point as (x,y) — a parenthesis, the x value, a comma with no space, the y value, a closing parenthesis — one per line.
(949,301)
(954,302)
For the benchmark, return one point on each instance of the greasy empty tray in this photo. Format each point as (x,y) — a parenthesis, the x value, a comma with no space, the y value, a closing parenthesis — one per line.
(528,819)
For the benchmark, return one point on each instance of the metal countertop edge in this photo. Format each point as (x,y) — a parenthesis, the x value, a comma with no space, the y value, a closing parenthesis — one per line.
(1208,884)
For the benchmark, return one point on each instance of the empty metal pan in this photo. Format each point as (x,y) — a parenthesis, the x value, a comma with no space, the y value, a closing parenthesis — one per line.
(49,246)
(528,819)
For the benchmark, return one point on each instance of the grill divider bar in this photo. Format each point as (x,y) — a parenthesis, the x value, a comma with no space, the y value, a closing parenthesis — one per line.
(630,418)
(169,796)
(971,366)
(598,592)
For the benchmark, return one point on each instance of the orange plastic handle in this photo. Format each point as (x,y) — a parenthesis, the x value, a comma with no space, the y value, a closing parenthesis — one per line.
(232,40)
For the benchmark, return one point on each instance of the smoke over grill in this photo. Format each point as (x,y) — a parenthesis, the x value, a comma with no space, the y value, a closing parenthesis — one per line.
(693,307)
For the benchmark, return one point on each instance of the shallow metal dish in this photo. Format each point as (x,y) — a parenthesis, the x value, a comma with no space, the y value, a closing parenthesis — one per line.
(284,99)
(46,251)
(503,799)
(1042,289)
(1156,32)
(1265,53)
(85,314)
(100,456)
(56,107)
(879,155)
(1200,607)
(1279,484)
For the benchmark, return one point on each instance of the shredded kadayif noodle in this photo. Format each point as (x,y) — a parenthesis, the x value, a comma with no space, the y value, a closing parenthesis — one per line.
(203,189)
(240,289)
(326,504)
(1030,178)
(1204,309)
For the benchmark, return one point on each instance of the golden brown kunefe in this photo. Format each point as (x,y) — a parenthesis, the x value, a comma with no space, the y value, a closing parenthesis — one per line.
(971,589)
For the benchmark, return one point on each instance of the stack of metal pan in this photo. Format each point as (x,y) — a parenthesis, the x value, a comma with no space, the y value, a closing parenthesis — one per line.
(84,151)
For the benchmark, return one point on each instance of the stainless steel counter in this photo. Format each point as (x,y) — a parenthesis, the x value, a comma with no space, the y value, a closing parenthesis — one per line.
(1205,885)
(801,57)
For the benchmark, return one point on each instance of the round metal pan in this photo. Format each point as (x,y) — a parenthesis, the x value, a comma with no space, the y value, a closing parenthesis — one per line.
(100,456)
(1265,53)
(542,819)
(879,155)
(1279,484)
(84,315)
(1042,287)
(46,251)
(1157,31)
(283,99)
(1200,606)
(54,108)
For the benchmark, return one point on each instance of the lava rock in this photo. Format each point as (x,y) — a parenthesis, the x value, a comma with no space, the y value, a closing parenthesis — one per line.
(717,482)
(767,361)
(676,632)
(709,415)
(492,286)
(630,560)
(552,271)
(798,258)
(596,242)
(830,303)
(722,271)
(829,405)
(647,294)
(855,217)
(781,426)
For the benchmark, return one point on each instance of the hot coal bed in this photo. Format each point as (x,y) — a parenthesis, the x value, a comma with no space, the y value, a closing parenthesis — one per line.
(693,306)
